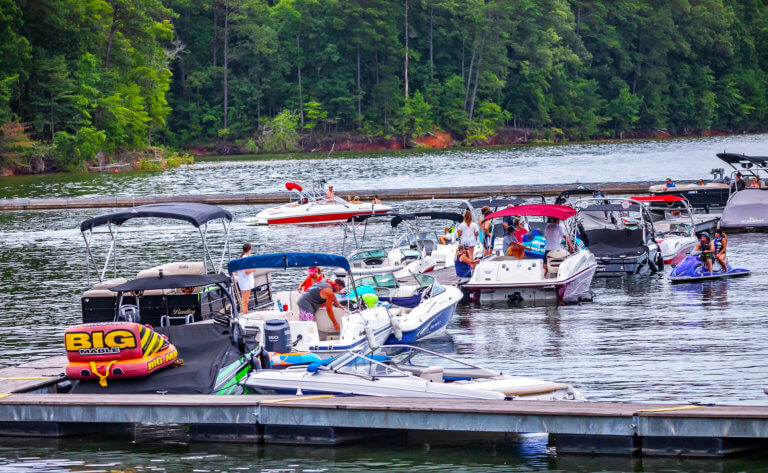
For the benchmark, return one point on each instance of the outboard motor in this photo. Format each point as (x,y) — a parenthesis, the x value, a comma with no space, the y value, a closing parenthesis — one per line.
(277,336)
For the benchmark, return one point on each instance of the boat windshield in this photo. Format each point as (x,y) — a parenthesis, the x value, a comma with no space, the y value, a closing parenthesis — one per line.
(667,229)
(368,366)
(363,255)
(410,239)
(425,280)
(378,280)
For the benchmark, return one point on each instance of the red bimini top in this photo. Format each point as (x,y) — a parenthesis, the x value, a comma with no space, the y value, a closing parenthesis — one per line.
(658,198)
(561,212)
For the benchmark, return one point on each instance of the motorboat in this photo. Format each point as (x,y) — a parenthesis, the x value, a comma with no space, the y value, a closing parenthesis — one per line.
(359,324)
(620,234)
(310,206)
(693,269)
(419,305)
(171,305)
(747,207)
(393,372)
(708,196)
(567,276)
(673,221)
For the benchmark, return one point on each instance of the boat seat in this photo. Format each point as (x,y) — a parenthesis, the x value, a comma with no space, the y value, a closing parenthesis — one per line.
(99,293)
(172,269)
(324,324)
(433,374)
(554,259)
(109,283)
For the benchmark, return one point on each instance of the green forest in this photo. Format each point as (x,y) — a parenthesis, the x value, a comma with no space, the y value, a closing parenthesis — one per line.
(81,79)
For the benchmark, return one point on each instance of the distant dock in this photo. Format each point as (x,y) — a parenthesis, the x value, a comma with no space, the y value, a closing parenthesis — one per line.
(30,407)
(549,190)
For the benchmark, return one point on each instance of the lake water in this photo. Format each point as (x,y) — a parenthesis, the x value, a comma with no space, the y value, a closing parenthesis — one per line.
(642,339)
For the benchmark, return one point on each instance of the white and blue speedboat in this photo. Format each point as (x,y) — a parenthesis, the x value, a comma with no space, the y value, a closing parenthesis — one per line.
(360,325)
(693,269)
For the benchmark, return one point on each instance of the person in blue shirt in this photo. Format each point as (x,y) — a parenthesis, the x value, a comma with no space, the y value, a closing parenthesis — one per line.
(463,263)
(670,183)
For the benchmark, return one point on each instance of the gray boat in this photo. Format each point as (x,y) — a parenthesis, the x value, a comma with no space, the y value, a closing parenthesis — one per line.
(747,207)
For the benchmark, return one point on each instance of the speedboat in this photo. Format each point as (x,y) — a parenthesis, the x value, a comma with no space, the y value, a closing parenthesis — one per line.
(361,325)
(311,206)
(674,225)
(169,305)
(392,371)
(420,306)
(711,195)
(567,277)
(693,269)
(747,209)
(620,234)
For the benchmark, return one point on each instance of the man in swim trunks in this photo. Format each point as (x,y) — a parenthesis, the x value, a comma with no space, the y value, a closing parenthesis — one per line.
(706,249)
(321,294)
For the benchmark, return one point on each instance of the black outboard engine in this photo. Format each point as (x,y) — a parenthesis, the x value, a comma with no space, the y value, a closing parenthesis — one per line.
(277,336)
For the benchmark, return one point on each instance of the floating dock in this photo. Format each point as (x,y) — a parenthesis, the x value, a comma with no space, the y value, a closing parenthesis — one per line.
(30,406)
(615,188)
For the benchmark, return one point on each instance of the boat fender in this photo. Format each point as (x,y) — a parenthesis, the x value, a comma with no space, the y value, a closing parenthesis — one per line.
(370,337)
(397,330)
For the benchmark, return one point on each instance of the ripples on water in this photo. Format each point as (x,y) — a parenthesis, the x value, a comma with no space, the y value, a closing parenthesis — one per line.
(594,162)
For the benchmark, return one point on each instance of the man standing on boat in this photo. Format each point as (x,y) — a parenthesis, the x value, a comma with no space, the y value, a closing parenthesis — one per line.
(322,293)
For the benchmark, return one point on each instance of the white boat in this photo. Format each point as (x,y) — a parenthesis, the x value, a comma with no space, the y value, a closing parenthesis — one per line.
(394,373)
(500,277)
(312,207)
(674,224)
(420,308)
(359,325)
(747,207)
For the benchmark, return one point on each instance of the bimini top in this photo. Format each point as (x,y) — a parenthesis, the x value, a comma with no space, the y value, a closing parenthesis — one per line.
(288,260)
(658,198)
(453,216)
(535,210)
(562,198)
(171,282)
(494,202)
(623,207)
(746,161)
(196,214)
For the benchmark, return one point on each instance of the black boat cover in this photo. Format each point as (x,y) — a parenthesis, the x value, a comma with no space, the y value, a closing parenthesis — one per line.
(607,242)
(494,202)
(733,159)
(362,218)
(206,348)
(196,214)
(611,208)
(452,216)
(562,198)
(171,282)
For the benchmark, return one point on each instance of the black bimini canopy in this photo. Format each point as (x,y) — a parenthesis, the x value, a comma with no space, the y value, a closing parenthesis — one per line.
(742,159)
(363,218)
(176,281)
(196,214)
(452,216)
(495,202)
(611,208)
(566,194)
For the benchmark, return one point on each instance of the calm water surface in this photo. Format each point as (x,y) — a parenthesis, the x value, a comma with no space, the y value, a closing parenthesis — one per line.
(600,162)
(642,339)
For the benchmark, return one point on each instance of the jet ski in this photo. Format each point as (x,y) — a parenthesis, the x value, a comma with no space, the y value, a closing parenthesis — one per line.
(693,269)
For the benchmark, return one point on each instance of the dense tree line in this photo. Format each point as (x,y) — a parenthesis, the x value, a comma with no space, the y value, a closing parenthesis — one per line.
(89,75)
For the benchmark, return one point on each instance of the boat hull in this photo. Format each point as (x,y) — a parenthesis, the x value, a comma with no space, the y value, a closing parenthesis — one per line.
(433,324)
(317,213)
(747,211)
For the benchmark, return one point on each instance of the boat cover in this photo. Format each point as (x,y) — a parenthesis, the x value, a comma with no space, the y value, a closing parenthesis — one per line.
(536,210)
(612,208)
(288,260)
(196,214)
(658,198)
(494,202)
(746,208)
(206,349)
(409,302)
(608,242)
(170,282)
(563,196)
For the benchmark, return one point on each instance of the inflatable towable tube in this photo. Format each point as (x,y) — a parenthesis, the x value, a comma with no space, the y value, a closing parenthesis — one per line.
(114,350)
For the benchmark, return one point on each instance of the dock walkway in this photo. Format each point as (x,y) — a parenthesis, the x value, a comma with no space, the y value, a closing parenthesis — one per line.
(585,427)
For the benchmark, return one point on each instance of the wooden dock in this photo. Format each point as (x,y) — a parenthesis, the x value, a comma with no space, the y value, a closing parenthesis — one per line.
(583,427)
(615,188)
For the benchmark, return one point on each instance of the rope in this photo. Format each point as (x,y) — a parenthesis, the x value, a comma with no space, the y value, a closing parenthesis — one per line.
(667,409)
(305,398)
(102,378)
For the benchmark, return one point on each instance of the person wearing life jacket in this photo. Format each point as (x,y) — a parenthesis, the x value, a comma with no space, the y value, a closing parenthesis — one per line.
(463,262)
(720,243)
(321,294)
(706,249)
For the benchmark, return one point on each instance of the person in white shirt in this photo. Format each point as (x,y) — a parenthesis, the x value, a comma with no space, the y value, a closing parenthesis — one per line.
(245,281)
(554,234)
(468,232)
